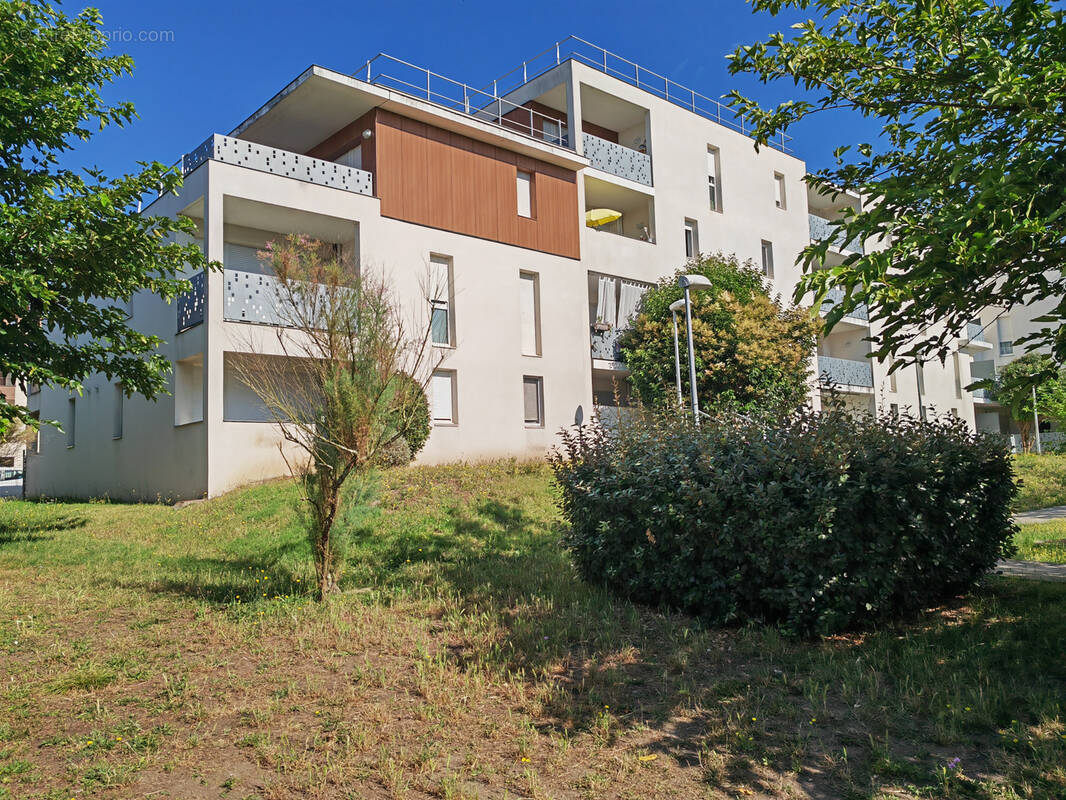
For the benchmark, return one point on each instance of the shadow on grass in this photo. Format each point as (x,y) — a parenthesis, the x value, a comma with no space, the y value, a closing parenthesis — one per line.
(847,716)
(15,531)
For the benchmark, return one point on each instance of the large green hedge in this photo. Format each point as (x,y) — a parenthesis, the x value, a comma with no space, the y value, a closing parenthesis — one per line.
(820,523)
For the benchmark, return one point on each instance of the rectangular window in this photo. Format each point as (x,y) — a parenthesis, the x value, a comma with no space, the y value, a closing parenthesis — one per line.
(189,390)
(1005,335)
(442,322)
(1006,348)
(692,238)
(891,377)
(533,400)
(116,422)
(779,190)
(72,418)
(767,258)
(442,391)
(958,374)
(525,194)
(529,312)
(353,158)
(894,410)
(714,181)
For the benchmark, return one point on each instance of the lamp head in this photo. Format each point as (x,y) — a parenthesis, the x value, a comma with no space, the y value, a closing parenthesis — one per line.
(693,282)
(678,306)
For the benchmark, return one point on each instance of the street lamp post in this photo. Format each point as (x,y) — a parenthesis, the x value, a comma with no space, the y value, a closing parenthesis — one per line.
(690,283)
(675,307)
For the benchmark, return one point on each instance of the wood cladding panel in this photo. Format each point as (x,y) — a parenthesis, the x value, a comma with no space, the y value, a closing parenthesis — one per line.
(448,181)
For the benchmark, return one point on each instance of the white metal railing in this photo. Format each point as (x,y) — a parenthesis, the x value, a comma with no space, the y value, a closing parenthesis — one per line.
(617,159)
(395,73)
(578,49)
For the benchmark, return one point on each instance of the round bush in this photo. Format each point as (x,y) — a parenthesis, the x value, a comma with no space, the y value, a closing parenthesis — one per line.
(819,523)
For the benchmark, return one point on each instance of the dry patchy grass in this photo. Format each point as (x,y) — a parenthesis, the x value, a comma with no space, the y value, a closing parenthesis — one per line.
(148,651)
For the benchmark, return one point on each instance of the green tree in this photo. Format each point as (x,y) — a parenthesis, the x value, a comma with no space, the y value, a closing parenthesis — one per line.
(344,381)
(1014,386)
(752,355)
(69,238)
(966,182)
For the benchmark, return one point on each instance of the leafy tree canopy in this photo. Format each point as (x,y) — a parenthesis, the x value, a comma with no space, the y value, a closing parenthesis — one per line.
(751,354)
(1014,386)
(966,184)
(70,237)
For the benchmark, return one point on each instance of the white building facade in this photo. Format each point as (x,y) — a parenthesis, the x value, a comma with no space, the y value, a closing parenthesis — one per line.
(414,174)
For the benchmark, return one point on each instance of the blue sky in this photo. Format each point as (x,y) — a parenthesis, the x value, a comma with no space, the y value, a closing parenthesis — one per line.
(224,59)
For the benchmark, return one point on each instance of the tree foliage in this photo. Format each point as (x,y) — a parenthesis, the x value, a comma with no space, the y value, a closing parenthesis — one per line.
(68,238)
(966,184)
(751,354)
(343,378)
(1014,386)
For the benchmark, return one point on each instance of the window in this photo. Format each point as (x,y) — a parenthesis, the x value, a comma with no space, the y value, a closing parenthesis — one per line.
(1006,348)
(891,377)
(958,374)
(353,158)
(533,399)
(529,312)
(714,181)
(116,423)
(894,410)
(243,259)
(442,323)
(767,258)
(525,194)
(1005,335)
(189,390)
(692,238)
(779,190)
(72,419)
(443,397)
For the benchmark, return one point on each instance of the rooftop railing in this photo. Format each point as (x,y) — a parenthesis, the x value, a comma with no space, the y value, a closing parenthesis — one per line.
(418,82)
(632,73)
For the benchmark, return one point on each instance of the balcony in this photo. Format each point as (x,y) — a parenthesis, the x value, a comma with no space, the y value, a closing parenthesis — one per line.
(822,229)
(975,331)
(835,296)
(279,162)
(845,372)
(191,303)
(617,160)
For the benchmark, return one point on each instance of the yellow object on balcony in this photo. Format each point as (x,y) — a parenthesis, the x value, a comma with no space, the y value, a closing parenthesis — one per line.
(601,216)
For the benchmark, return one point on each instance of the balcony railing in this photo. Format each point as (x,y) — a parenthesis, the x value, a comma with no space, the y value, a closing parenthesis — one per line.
(191,303)
(278,162)
(617,160)
(845,372)
(822,229)
(975,331)
(605,345)
(834,296)
(632,73)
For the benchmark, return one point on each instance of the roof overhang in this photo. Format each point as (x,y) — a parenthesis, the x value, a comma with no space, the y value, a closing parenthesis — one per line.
(320,102)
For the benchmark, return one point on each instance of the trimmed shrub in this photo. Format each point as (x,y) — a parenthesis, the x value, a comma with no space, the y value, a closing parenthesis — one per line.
(819,523)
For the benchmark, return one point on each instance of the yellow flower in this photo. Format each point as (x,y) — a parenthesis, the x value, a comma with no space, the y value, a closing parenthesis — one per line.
(525,760)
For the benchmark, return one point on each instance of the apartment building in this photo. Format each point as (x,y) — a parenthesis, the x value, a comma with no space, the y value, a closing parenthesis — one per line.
(13,454)
(489,190)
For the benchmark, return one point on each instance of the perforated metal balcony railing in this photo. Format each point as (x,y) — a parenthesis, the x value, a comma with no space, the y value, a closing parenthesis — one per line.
(834,296)
(822,229)
(255,156)
(845,372)
(190,304)
(617,160)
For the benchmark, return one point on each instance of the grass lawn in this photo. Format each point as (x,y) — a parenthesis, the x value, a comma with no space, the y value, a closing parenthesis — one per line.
(147,651)
(1044,541)
(1042,481)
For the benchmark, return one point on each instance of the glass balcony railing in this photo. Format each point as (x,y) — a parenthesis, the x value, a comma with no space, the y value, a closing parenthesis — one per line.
(822,229)
(845,372)
(618,160)
(835,296)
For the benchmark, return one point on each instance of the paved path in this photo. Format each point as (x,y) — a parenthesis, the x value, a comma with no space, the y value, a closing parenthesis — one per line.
(1041,515)
(1034,570)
